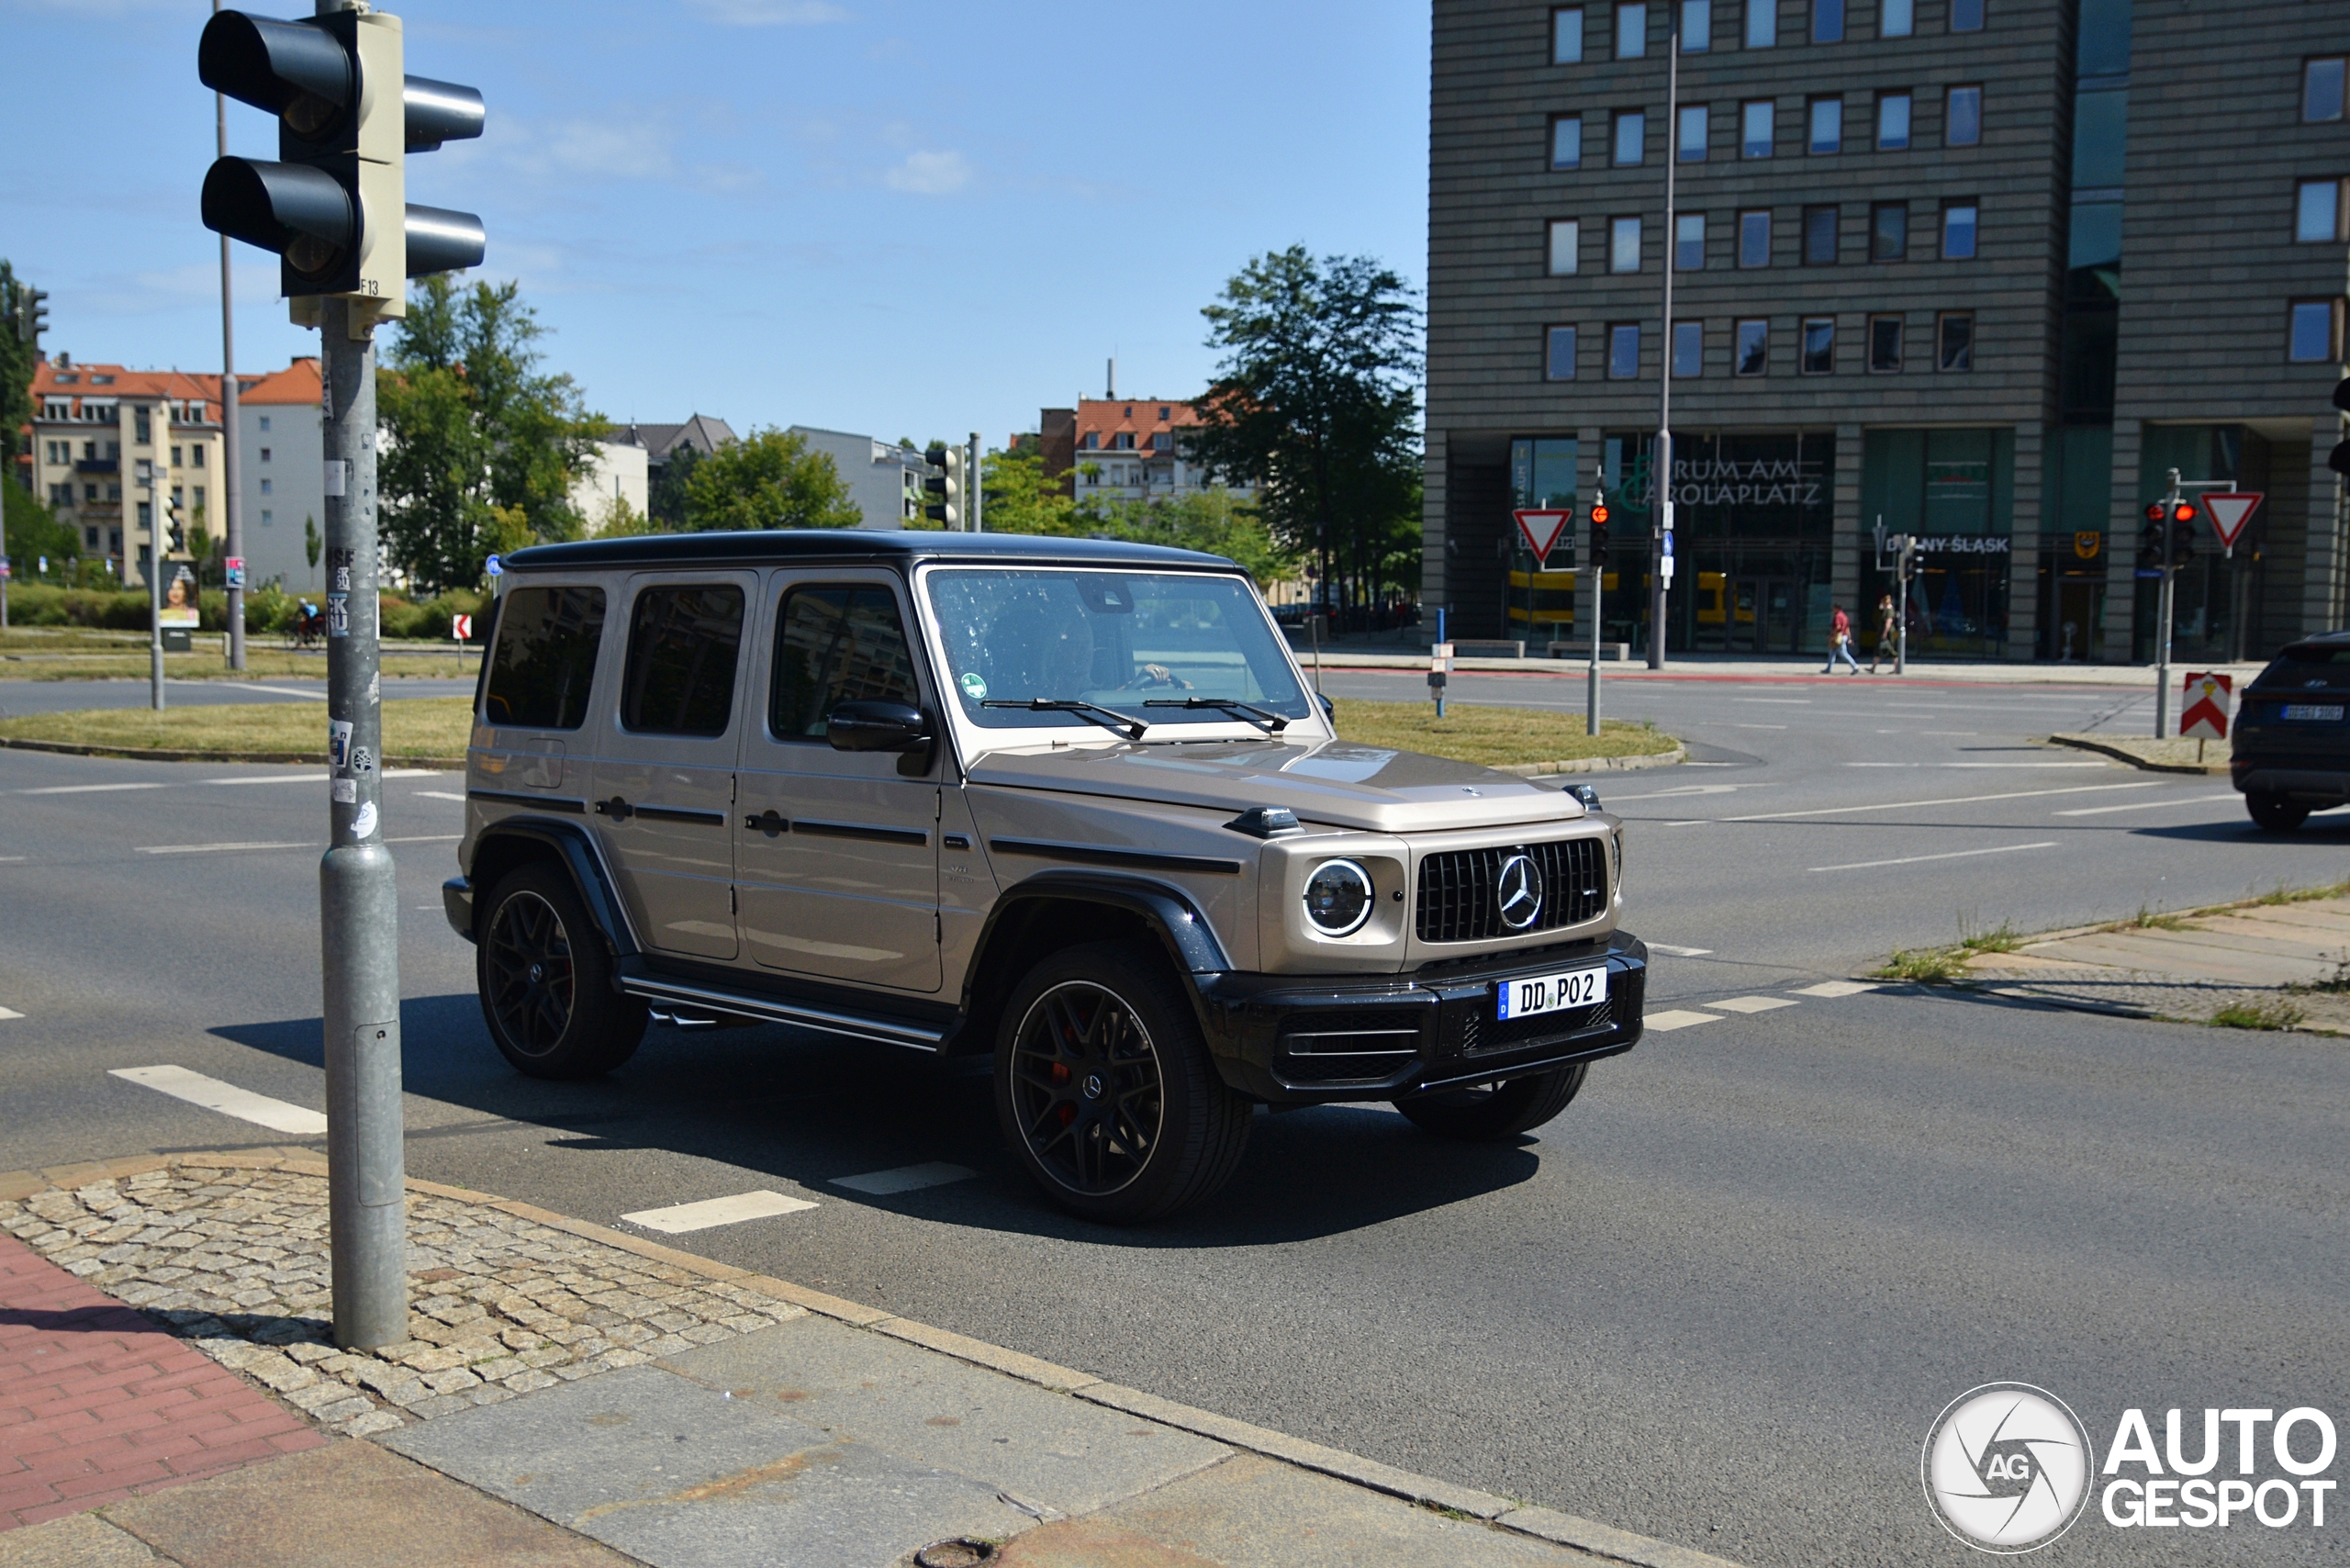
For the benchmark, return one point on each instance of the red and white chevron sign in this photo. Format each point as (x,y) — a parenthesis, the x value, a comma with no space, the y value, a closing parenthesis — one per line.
(2204,715)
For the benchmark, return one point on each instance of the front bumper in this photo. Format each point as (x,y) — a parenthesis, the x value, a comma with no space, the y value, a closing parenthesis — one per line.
(1290,1041)
(457,903)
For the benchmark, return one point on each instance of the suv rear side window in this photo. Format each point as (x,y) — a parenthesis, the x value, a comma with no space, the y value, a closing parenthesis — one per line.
(834,644)
(682,643)
(546,657)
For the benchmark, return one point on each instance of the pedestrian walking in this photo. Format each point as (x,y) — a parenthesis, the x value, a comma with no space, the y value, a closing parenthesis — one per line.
(1840,643)
(1888,635)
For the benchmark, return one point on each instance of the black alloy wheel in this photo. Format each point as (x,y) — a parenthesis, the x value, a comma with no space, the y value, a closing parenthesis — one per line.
(546,982)
(533,984)
(1087,1088)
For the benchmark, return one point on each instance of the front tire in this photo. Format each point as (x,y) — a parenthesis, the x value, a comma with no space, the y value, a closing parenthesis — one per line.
(1105,1091)
(546,982)
(2275,814)
(1496,1112)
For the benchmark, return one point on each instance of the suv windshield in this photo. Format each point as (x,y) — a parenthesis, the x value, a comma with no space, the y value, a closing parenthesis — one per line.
(1116,639)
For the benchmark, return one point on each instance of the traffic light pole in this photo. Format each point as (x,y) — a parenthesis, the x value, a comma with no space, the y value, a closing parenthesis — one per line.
(1591,679)
(1661,469)
(230,465)
(2162,626)
(358,897)
(154,482)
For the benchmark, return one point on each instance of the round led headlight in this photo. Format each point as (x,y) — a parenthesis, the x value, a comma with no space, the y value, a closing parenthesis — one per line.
(1338,897)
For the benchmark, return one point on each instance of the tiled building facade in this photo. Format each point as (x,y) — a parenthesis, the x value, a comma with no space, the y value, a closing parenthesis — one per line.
(1982,270)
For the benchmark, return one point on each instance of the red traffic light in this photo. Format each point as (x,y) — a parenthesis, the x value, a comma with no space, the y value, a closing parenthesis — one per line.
(2157,513)
(2183,512)
(1599,513)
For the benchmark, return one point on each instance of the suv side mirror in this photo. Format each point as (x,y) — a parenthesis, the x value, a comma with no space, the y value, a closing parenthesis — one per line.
(1329,708)
(878,726)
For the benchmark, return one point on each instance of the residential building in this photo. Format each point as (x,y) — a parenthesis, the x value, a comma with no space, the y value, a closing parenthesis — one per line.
(884,479)
(282,474)
(702,432)
(617,470)
(1982,270)
(1126,449)
(95,425)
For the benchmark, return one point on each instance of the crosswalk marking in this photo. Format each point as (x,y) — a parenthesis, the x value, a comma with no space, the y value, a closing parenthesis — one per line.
(1836,988)
(1953,855)
(905,1179)
(1678,1018)
(9,1013)
(439,795)
(679,1218)
(1753,1004)
(226,1098)
(211,849)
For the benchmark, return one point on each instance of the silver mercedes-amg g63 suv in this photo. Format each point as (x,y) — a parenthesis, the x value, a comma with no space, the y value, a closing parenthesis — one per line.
(1072,803)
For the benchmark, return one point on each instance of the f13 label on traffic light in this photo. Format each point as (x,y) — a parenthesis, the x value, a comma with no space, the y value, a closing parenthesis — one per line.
(334,208)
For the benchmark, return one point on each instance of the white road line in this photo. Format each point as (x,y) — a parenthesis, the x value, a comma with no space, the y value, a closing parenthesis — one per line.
(285,691)
(1677,1018)
(213,848)
(1978,765)
(9,1013)
(438,795)
(1836,988)
(89,789)
(428,838)
(1758,726)
(1970,734)
(10,859)
(226,1098)
(1693,790)
(1667,948)
(679,1218)
(1920,859)
(1950,800)
(1781,701)
(1753,1004)
(905,1179)
(414,772)
(269,779)
(2145,805)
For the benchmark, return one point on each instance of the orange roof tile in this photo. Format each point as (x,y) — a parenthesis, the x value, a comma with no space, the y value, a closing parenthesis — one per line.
(1105,416)
(299,382)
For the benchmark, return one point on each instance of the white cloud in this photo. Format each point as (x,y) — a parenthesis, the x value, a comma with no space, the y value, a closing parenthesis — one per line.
(930,173)
(769,13)
(632,148)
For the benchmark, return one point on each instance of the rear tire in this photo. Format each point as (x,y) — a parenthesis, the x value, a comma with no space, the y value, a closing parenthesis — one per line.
(1497,1111)
(546,982)
(1105,1092)
(2275,814)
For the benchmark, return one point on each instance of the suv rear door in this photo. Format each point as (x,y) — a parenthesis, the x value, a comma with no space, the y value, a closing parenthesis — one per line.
(665,765)
(836,852)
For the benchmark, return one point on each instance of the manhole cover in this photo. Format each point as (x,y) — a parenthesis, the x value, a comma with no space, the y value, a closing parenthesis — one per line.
(958,1553)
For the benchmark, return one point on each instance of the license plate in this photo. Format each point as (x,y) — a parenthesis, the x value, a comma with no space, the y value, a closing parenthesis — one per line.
(1550,993)
(2314,712)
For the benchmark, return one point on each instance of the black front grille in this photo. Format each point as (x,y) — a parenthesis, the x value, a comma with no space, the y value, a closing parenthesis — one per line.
(1480,1031)
(1457,889)
(1350,1045)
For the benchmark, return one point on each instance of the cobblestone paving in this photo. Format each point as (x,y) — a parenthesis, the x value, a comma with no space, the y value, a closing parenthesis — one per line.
(235,1260)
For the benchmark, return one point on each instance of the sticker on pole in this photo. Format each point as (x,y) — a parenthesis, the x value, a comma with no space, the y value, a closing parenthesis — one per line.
(2230,510)
(2204,716)
(1541,526)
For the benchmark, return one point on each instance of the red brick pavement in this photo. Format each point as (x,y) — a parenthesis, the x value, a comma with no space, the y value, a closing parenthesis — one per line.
(96,1403)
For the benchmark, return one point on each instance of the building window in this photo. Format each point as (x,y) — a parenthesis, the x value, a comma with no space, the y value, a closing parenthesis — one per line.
(1884,345)
(1896,20)
(264,423)
(2316,334)
(1958,231)
(179,495)
(1122,441)
(1624,245)
(175,457)
(1819,345)
(1566,36)
(1697,130)
(1819,235)
(90,539)
(1089,442)
(1557,353)
(1631,138)
(1688,242)
(1696,25)
(1955,339)
(1688,348)
(1962,121)
(1165,412)
(265,487)
(1827,125)
(265,454)
(1623,353)
(1756,129)
(1966,16)
(1566,239)
(1762,22)
(1889,232)
(2322,94)
(2317,210)
(1753,348)
(196,457)
(1566,141)
(114,540)
(1631,31)
(1163,440)
(268,518)
(1827,21)
(62,495)
(1892,122)
(89,492)
(1754,238)
(199,497)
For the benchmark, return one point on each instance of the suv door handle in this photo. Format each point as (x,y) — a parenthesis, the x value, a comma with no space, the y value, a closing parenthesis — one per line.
(619,810)
(767,822)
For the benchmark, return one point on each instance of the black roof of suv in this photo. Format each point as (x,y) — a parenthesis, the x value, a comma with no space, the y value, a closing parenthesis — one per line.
(733,547)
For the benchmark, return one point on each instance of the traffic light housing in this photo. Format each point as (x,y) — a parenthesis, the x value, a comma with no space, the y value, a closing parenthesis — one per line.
(2182,532)
(1598,536)
(333,208)
(175,532)
(945,486)
(32,314)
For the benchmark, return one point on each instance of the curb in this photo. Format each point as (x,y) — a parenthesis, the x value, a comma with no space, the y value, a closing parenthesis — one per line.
(154,753)
(1502,1513)
(2081,742)
(1679,754)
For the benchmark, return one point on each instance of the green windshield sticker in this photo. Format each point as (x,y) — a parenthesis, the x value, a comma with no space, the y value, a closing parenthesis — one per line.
(975,686)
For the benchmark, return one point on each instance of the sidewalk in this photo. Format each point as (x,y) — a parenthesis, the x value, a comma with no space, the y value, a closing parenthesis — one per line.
(575,1395)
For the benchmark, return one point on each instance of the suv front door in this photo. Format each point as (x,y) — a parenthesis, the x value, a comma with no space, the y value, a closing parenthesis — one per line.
(665,764)
(837,851)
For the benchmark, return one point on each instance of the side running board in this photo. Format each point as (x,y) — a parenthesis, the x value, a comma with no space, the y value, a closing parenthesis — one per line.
(658,988)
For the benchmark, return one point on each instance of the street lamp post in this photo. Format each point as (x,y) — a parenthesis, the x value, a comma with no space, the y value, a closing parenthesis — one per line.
(1660,465)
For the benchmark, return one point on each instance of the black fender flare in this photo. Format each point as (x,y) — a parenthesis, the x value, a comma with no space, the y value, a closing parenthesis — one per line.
(575,851)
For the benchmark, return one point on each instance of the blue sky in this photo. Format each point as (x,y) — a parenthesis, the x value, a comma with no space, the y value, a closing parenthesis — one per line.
(898,217)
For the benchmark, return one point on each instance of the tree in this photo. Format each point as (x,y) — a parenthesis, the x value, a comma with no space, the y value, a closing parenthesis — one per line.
(1317,402)
(1214,521)
(666,507)
(311,544)
(769,479)
(1016,495)
(476,435)
(18,359)
(34,534)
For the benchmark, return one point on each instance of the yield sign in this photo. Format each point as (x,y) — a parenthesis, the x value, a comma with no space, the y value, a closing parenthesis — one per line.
(2229,510)
(1542,529)
(2205,715)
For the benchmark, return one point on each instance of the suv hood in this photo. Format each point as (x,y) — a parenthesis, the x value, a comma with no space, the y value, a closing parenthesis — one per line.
(1335,783)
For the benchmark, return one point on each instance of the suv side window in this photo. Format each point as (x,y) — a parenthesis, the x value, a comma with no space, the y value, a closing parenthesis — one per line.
(545,661)
(682,644)
(837,642)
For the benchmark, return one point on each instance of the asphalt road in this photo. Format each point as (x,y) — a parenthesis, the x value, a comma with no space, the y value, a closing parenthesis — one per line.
(1718,1301)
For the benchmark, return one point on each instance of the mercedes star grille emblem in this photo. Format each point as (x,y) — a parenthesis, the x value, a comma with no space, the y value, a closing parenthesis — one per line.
(1517,892)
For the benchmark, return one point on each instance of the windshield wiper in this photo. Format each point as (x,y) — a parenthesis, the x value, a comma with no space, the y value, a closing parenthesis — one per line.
(1108,718)
(1270,722)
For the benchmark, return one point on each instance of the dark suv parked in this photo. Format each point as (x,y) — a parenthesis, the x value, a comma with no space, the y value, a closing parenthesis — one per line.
(2292,735)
